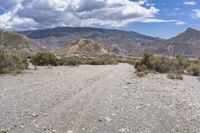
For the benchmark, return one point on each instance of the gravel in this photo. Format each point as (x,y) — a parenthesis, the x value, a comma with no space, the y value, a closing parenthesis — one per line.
(98,99)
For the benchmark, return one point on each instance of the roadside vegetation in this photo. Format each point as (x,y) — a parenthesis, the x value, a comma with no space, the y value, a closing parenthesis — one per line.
(174,66)
(11,63)
(45,59)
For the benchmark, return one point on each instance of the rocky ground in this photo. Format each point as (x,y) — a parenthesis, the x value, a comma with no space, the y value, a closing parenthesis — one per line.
(98,99)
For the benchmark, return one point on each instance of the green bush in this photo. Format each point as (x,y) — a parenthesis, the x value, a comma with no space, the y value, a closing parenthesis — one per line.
(12,63)
(102,60)
(162,64)
(4,63)
(18,63)
(69,61)
(195,69)
(148,59)
(44,59)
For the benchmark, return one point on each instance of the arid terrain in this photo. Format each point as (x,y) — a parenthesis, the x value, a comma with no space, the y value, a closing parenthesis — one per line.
(98,99)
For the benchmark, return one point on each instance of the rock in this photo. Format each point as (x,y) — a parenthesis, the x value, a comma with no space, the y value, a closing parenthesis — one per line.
(3,131)
(35,115)
(107,119)
(122,130)
(129,82)
(21,126)
(69,131)
(139,107)
(100,120)
(53,131)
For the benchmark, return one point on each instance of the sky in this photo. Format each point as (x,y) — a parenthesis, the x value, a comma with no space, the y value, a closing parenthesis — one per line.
(158,18)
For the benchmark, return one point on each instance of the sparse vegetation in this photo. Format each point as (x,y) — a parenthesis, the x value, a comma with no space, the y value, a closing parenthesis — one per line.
(195,69)
(12,63)
(69,61)
(167,65)
(175,76)
(44,59)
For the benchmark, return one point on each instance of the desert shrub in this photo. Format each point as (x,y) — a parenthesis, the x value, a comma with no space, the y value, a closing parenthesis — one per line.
(12,63)
(4,63)
(18,63)
(162,64)
(103,60)
(195,69)
(44,59)
(175,76)
(98,62)
(148,59)
(71,61)
(182,62)
(140,73)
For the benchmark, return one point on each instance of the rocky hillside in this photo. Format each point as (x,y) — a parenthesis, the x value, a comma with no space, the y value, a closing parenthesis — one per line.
(119,42)
(83,47)
(186,44)
(190,36)
(15,43)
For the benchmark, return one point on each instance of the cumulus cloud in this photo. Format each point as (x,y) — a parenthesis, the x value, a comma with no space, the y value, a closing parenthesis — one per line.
(33,14)
(196,13)
(190,3)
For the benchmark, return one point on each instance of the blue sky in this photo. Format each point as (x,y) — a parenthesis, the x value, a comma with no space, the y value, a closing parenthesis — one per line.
(169,9)
(159,18)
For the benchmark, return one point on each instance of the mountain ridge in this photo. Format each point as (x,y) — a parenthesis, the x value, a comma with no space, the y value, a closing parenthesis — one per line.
(126,43)
(186,43)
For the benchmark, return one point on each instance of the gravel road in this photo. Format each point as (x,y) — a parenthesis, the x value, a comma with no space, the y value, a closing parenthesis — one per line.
(98,99)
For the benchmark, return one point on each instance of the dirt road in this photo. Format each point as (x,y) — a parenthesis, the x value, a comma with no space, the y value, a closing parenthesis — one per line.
(98,99)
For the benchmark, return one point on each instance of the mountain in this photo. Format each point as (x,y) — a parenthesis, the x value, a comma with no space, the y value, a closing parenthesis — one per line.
(15,43)
(120,42)
(190,36)
(186,44)
(83,47)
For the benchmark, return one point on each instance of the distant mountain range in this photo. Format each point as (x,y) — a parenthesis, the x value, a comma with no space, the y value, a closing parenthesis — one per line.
(120,42)
(126,43)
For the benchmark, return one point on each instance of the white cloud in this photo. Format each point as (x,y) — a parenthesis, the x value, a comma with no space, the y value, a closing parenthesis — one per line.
(158,21)
(191,3)
(177,22)
(196,13)
(180,23)
(33,14)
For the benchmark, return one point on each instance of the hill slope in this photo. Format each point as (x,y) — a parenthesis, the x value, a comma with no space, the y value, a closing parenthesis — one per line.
(15,43)
(83,47)
(119,42)
(186,44)
(190,36)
